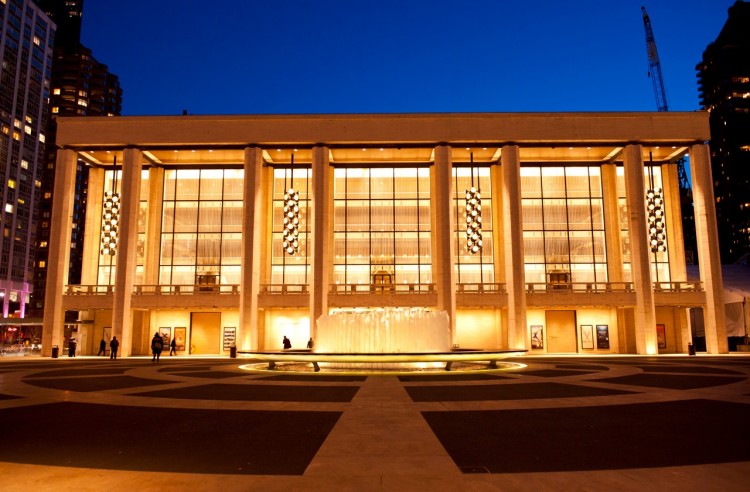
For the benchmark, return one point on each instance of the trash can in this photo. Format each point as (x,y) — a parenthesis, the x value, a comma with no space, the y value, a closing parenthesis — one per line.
(232,352)
(55,351)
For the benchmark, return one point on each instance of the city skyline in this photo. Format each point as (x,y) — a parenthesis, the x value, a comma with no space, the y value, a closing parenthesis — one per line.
(350,57)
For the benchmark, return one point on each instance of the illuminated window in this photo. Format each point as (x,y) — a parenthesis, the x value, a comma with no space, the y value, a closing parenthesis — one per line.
(43,244)
(55,109)
(17,123)
(82,93)
(27,129)
(83,102)
(16,136)
(37,183)
(24,164)
(382,232)
(473,267)
(12,183)
(9,208)
(42,264)
(56,91)
(563,225)
(42,138)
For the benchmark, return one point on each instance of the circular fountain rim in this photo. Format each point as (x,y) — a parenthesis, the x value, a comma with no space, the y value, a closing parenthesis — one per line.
(309,356)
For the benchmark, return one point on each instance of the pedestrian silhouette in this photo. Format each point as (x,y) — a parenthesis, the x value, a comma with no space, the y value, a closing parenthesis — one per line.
(113,346)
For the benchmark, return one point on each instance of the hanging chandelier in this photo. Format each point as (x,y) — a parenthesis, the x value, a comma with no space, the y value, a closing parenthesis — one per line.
(291,215)
(473,215)
(655,211)
(111,217)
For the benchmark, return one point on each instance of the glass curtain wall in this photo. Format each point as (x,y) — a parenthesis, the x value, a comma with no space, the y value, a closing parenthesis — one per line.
(473,268)
(652,178)
(563,225)
(290,269)
(381,226)
(201,227)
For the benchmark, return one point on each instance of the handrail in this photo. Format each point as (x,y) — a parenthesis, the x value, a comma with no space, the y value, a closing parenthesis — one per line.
(538,287)
(382,288)
(481,288)
(284,289)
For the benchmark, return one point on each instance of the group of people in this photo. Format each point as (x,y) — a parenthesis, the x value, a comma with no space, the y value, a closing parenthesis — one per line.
(157,345)
(287,344)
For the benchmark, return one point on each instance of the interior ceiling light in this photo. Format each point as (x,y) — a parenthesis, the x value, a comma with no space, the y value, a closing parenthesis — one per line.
(655,209)
(290,242)
(473,215)
(110,217)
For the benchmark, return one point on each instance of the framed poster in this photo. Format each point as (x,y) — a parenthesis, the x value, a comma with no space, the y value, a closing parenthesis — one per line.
(661,336)
(179,337)
(602,336)
(537,336)
(166,335)
(229,335)
(587,336)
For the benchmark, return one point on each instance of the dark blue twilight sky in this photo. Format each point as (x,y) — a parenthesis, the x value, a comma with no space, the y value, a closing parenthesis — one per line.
(392,56)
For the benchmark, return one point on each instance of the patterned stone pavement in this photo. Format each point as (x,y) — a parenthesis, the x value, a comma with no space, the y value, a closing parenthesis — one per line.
(548,423)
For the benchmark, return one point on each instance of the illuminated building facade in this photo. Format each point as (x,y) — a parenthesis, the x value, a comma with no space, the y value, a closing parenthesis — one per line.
(26,37)
(556,233)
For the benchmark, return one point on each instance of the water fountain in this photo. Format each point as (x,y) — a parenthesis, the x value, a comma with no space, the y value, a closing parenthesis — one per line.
(384,331)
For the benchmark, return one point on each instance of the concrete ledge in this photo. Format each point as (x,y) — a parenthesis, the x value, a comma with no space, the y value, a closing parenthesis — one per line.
(467,355)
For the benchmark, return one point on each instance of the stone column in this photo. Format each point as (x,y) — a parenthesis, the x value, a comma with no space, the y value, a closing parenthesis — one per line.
(320,244)
(58,258)
(130,197)
(93,232)
(443,271)
(153,225)
(612,225)
(515,275)
(640,257)
(498,244)
(252,220)
(676,246)
(708,249)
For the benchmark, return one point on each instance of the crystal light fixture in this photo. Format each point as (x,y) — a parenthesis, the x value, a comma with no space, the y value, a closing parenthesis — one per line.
(655,211)
(291,215)
(473,215)
(111,217)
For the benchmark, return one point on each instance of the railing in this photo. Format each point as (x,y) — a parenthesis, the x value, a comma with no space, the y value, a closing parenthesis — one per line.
(90,290)
(283,289)
(185,289)
(481,288)
(678,286)
(382,288)
(580,287)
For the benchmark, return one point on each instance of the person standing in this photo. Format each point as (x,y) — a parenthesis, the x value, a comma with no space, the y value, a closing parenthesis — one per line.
(310,343)
(102,348)
(72,347)
(287,343)
(157,345)
(173,347)
(113,346)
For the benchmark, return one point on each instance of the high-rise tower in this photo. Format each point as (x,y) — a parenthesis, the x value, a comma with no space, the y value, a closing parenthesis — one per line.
(26,37)
(724,86)
(81,86)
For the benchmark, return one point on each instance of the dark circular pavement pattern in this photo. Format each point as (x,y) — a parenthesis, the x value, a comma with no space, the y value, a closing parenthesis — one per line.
(208,416)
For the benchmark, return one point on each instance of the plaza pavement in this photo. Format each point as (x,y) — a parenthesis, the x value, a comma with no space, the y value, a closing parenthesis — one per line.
(547,423)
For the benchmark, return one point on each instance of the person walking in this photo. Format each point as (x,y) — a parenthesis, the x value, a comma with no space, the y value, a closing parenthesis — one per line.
(157,345)
(173,347)
(102,348)
(113,346)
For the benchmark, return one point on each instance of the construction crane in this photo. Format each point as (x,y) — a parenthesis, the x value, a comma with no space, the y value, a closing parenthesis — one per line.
(654,67)
(654,72)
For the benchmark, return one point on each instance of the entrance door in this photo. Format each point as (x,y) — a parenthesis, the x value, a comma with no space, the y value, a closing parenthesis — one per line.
(205,333)
(561,331)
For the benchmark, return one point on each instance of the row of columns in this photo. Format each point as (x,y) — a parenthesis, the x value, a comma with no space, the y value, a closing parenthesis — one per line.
(254,233)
